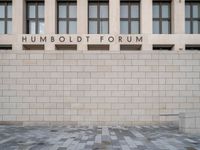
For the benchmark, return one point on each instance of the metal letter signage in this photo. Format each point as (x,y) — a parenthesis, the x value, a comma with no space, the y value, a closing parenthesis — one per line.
(85,39)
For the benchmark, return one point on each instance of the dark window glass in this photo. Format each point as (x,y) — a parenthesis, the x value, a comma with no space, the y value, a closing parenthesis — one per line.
(192,17)
(134,11)
(31,11)
(93,11)
(130,17)
(35,17)
(156,29)
(62,13)
(2,27)
(195,11)
(156,10)
(62,27)
(41,27)
(103,11)
(187,27)
(72,11)
(165,11)
(187,11)
(104,27)
(72,27)
(165,25)
(40,11)
(2,10)
(67,17)
(135,27)
(5,17)
(124,11)
(161,17)
(32,27)
(195,27)
(98,21)
(124,27)
(93,27)
(9,10)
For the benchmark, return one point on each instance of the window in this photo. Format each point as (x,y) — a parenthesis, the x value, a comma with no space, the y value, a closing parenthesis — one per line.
(161,17)
(5,47)
(192,17)
(33,47)
(98,17)
(163,47)
(96,47)
(131,47)
(35,17)
(5,17)
(67,17)
(130,17)
(192,47)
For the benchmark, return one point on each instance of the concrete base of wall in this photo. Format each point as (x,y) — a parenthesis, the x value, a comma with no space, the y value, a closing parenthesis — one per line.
(190,123)
(98,88)
(11,123)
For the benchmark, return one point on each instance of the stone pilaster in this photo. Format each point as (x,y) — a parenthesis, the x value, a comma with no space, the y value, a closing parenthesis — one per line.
(146,21)
(114,21)
(178,21)
(82,21)
(19,23)
(50,20)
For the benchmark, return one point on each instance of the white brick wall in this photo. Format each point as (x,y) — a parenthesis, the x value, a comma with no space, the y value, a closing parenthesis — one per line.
(98,88)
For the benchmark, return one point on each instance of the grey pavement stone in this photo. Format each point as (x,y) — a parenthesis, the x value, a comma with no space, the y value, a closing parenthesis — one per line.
(96,138)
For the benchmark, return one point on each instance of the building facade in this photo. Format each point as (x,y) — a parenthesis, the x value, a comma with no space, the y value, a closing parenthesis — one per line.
(99,62)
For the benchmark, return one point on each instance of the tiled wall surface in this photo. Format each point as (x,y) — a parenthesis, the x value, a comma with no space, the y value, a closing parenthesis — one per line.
(98,88)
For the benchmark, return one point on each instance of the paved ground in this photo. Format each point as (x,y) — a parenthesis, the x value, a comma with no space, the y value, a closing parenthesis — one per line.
(96,138)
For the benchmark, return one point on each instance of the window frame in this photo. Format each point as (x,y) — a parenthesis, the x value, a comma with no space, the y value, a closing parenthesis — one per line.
(160,19)
(191,19)
(98,3)
(130,19)
(6,19)
(36,19)
(67,19)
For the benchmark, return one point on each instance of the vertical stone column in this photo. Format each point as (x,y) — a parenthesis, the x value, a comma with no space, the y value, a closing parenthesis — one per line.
(50,16)
(19,23)
(178,21)
(114,22)
(82,21)
(50,21)
(146,23)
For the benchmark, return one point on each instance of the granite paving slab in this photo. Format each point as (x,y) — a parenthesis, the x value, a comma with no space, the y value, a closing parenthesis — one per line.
(96,138)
